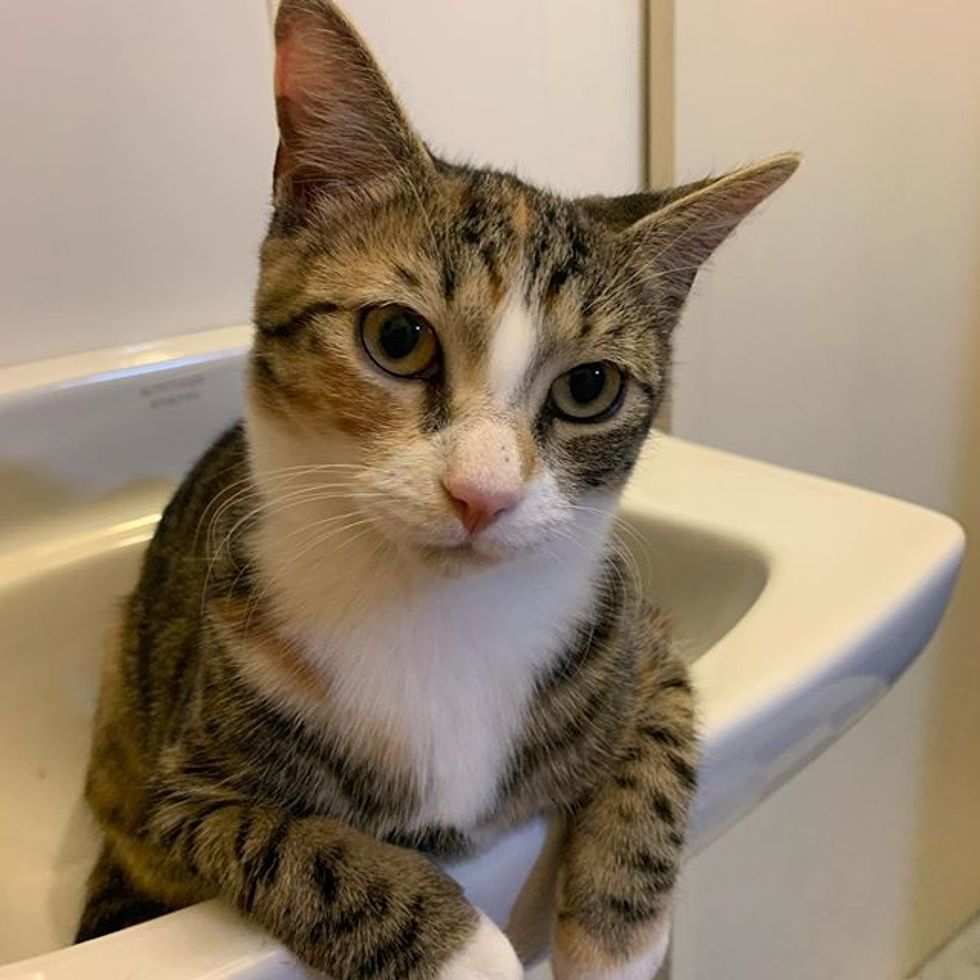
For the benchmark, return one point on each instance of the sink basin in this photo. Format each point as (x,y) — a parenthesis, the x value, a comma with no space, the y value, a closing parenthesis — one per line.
(797,600)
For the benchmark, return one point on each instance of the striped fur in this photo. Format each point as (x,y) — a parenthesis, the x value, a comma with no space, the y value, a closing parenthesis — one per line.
(323,679)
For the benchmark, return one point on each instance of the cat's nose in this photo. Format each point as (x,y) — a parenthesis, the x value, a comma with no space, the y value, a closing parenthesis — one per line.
(479,506)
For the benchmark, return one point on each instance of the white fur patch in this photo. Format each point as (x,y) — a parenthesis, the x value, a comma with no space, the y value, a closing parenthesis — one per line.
(511,349)
(445,667)
(487,956)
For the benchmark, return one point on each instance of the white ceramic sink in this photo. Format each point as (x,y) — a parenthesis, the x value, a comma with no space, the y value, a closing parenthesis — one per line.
(799,602)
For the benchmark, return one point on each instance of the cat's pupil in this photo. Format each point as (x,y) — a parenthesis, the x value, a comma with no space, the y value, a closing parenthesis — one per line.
(586,383)
(399,336)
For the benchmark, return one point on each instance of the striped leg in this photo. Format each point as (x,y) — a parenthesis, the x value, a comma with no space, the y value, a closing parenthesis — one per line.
(344,902)
(624,845)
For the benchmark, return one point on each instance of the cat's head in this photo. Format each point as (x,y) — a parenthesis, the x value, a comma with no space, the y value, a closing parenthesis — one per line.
(467,363)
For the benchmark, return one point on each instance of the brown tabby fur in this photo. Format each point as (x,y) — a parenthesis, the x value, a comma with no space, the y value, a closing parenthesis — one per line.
(207,773)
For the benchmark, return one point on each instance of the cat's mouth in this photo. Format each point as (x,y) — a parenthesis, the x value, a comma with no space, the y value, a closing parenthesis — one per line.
(456,558)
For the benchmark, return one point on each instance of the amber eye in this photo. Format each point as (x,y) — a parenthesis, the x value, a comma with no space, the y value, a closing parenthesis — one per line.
(399,341)
(589,392)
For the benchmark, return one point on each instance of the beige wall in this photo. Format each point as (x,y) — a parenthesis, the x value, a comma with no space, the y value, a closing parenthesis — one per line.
(549,88)
(840,333)
(138,140)
(137,143)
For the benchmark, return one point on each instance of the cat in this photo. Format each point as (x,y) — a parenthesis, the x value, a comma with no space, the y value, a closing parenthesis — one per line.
(383,619)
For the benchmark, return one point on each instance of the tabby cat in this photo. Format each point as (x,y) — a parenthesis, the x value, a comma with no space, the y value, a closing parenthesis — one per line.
(383,619)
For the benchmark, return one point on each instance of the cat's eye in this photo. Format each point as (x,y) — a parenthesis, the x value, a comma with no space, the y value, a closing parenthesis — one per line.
(400,341)
(589,392)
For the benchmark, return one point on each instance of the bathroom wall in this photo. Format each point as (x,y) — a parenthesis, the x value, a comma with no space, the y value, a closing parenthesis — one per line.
(139,138)
(840,333)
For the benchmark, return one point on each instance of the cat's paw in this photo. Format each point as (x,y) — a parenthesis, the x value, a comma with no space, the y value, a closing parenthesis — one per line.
(576,958)
(487,955)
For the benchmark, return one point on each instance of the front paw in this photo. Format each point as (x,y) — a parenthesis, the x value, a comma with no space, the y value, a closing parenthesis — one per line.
(487,955)
(577,956)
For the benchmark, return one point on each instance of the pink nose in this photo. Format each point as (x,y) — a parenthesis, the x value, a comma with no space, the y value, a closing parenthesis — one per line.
(479,506)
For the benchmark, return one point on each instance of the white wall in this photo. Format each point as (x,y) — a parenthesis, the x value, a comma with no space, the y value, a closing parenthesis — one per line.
(139,138)
(138,142)
(840,333)
(549,88)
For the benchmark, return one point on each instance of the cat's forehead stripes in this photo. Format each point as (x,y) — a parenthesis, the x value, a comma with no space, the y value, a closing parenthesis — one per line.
(483,221)
(517,278)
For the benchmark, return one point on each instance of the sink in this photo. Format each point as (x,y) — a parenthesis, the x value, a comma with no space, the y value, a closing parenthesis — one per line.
(798,602)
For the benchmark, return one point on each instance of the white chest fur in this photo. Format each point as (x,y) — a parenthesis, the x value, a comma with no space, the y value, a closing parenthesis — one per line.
(441,668)
(447,669)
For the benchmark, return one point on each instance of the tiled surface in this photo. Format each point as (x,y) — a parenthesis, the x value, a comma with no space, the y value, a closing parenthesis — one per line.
(959,959)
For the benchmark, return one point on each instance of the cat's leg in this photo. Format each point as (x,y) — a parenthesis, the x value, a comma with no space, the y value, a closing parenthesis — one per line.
(114,901)
(342,901)
(624,845)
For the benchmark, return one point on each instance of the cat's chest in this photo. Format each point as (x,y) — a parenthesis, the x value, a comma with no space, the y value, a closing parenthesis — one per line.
(439,693)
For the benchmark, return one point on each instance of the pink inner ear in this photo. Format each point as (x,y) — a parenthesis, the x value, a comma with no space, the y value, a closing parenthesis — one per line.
(297,66)
(284,51)
(311,81)
(340,126)
(290,75)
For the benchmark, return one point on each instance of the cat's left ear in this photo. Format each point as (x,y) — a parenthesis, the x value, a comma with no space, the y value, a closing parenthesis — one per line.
(673,241)
(341,129)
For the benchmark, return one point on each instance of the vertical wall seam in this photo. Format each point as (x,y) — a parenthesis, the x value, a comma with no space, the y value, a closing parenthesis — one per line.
(659,98)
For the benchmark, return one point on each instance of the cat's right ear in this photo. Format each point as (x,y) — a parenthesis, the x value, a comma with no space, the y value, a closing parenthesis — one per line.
(341,130)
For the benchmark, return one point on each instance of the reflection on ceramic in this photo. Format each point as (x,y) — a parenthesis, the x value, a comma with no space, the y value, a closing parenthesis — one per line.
(798,601)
